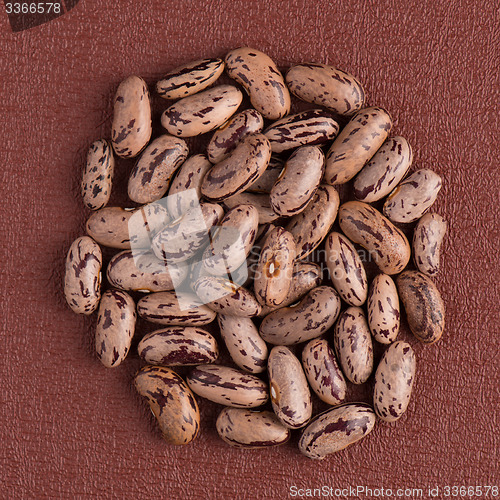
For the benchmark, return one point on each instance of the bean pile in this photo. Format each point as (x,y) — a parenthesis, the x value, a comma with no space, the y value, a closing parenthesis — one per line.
(273,179)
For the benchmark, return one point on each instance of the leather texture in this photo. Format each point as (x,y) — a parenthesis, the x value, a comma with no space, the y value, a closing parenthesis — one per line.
(71,428)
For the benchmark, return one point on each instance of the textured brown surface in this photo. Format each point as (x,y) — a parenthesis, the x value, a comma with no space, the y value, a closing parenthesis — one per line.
(71,428)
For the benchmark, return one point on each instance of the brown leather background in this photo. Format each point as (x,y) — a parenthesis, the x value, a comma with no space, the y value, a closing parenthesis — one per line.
(70,428)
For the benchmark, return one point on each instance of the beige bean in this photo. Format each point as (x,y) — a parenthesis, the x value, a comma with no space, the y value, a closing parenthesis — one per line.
(383,309)
(353,345)
(98,175)
(227,137)
(178,346)
(109,227)
(165,308)
(427,240)
(231,244)
(423,304)
(151,175)
(356,144)
(82,280)
(413,197)
(310,227)
(384,171)
(258,75)
(366,226)
(131,128)
(202,112)
(260,201)
(179,240)
(309,319)
(336,429)
(226,297)
(227,386)
(189,177)
(245,164)
(323,372)
(171,402)
(394,381)
(299,181)
(315,126)
(305,277)
(249,429)
(115,327)
(347,271)
(273,277)
(326,86)
(290,395)
(245,346)
(190,78)
(144,273)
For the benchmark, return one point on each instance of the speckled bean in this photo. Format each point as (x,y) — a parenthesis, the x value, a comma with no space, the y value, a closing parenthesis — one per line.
(353,345)
(245,164)
(82,280)
(427,240)
(258,75)
(356,144)
(245,346)
(366,226)
(384,171)
(171,402)
(326,86)
(383,309)
(413,197)
(189,176)
(394,381)
(273,276)
(179,240)
(226,297)
(98,175)
(151,175)
(190,78)
(299,181)
(313,316)
(131,128)
(227,137)
(347,271)
(227,386)
(109,227)
(146,273)
(305,277)
(233,241)
(290,395)
(423,304)
(323,372)
(315,126)
(203,112)
(266,181)
(165,308)
(115,327)
(248,429)
(260,201)
(178,346)
(311,226)
(336,429)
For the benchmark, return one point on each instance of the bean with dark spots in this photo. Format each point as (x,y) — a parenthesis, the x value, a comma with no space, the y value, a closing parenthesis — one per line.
(227,386)
(171,402)
(336,429)
(428,237)
(290,395)
(353,345)
(248,429)
(423,304)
